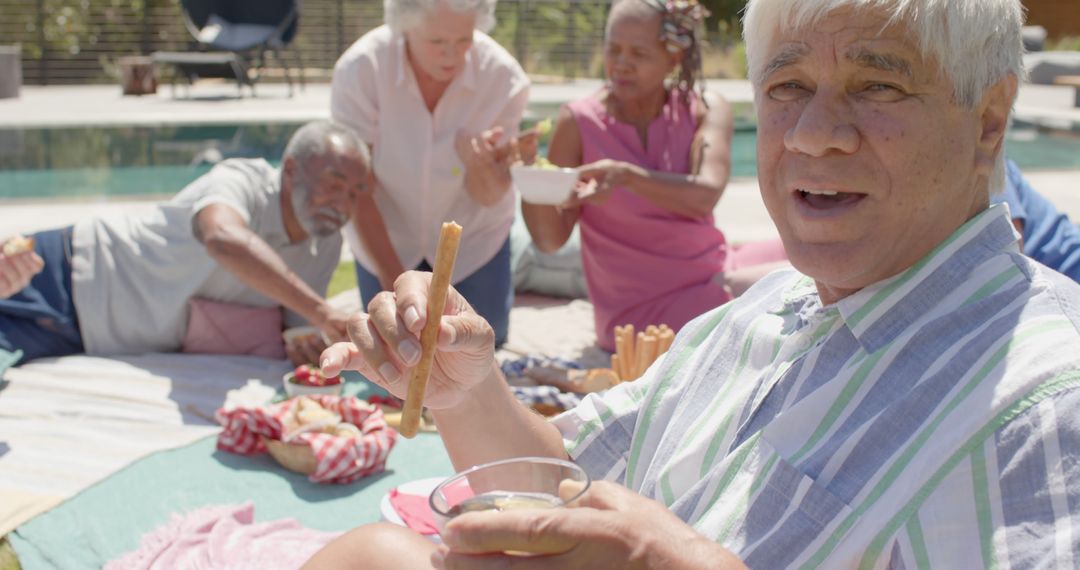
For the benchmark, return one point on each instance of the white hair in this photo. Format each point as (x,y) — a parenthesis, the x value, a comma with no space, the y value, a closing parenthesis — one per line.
(315,139)
(976,43)
(402,15)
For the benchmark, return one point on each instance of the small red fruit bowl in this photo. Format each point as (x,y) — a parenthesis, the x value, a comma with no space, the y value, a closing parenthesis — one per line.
(308,380)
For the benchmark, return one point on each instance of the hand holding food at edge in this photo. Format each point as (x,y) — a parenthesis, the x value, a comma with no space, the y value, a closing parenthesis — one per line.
(18,265)
(305,350)
(308,348)
(487,164)
(335,327)
(609,527)
(484,150)
(385,343)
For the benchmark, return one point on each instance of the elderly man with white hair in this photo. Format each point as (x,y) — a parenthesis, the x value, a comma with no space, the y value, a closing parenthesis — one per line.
(440,103)
(906,397)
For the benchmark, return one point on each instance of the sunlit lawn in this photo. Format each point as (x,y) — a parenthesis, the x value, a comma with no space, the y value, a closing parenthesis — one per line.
(344,278)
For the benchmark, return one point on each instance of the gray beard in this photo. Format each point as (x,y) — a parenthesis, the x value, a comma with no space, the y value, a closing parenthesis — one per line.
(300,209)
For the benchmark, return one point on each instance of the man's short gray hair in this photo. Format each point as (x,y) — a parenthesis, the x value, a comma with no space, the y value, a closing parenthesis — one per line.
(976,43)
(315,138)
(402,15)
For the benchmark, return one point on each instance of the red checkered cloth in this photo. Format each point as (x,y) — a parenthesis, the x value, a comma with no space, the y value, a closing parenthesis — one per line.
(339,459)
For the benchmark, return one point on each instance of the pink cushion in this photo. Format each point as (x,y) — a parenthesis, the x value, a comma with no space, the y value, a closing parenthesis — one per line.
(229,328)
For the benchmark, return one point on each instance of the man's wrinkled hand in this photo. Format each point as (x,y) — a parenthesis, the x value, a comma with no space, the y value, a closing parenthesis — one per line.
(335,328)
(384,343)
(607,527)
(306,349)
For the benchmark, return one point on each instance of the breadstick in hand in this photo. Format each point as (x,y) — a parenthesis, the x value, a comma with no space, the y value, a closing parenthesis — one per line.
(449,238)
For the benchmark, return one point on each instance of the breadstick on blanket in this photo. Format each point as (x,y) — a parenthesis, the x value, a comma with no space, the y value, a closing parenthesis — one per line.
(449,238)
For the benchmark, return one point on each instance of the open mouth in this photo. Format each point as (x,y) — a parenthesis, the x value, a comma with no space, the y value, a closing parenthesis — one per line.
(827,199)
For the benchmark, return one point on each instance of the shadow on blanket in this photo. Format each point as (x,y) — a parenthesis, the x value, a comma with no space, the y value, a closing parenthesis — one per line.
(301,487)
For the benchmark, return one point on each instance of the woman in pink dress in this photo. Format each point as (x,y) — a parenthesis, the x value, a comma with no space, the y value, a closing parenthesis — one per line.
(654,157)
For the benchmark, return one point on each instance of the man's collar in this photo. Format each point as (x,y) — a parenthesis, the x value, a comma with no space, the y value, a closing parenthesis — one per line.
(877,314)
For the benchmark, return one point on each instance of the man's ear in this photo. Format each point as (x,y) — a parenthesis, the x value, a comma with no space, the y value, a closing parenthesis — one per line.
(288,174)
(288,166)
(993,121)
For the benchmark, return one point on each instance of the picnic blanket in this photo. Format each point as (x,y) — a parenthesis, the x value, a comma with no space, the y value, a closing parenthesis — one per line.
(115,446)
(109,519)
(69,422)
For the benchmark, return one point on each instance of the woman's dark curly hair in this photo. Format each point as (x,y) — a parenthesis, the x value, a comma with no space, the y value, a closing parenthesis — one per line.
(679,24)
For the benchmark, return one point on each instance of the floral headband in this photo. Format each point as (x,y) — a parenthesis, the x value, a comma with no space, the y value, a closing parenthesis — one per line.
(680,19)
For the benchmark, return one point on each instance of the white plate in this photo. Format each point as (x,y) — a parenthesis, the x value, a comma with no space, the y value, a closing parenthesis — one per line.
(422,487)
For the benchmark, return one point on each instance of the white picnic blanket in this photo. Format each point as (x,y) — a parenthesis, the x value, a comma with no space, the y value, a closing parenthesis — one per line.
(546,326)
(66,423)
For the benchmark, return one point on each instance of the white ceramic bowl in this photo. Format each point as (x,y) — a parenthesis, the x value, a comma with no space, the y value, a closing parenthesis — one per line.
(550,186)
(294,389)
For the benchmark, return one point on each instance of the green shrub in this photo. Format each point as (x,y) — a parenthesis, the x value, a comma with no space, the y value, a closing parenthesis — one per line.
(1066,43)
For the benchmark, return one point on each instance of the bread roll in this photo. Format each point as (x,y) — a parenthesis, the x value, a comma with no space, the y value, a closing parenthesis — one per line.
(17,245)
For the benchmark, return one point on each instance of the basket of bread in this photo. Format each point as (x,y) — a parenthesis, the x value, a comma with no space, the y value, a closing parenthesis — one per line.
(330,439)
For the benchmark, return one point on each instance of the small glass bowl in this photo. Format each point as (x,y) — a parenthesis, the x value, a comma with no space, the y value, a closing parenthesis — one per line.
(510,484)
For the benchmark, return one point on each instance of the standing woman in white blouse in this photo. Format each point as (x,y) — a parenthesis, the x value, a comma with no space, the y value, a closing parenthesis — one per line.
(439,102)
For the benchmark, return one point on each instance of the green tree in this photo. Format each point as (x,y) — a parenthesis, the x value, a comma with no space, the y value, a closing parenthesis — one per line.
(724,16)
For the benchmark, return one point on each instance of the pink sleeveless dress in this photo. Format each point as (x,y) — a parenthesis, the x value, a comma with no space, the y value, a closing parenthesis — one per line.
(644,264)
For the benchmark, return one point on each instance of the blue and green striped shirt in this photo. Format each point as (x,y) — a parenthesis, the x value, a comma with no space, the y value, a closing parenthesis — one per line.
(927,421)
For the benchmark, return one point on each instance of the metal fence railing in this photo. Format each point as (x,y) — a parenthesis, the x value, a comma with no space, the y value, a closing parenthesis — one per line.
(78,41)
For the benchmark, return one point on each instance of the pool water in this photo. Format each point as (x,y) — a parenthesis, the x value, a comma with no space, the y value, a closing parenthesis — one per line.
(124,162)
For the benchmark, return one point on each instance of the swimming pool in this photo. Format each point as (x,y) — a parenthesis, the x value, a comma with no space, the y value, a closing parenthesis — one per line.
(126,162)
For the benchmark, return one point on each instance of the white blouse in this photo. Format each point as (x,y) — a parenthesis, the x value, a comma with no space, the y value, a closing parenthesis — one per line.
(421,178)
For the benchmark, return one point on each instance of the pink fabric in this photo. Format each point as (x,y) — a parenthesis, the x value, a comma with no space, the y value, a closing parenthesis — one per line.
(224,536)
(339,459)
(644,264)
(415,510)
(230,328)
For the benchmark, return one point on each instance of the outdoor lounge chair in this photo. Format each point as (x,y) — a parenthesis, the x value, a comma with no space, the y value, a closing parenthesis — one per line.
(232,38)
